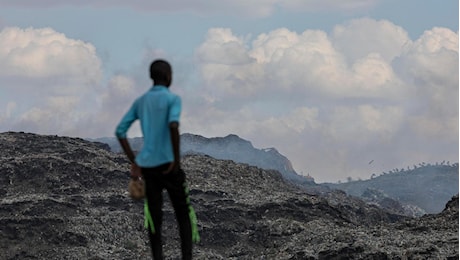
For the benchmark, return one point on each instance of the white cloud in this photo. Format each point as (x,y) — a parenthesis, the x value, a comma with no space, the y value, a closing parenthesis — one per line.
(42,53)
(366,90)
(358,38)
(286,63)
(48,77)
(222,47)
(431,65)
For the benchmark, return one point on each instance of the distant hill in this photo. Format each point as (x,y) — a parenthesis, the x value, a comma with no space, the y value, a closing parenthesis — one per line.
(426,186)
(66,198)
(413,192)
(230,147)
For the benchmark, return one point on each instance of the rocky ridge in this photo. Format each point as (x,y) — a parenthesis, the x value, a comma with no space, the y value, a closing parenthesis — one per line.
(66,198)
(230,147)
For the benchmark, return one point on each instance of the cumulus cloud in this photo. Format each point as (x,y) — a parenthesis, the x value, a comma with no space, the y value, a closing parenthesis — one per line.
(388,39)
(45,53)
(346,96)
(46,78)
(285,63)
(430,64)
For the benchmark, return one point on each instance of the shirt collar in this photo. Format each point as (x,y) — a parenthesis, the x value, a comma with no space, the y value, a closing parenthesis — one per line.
(158,87)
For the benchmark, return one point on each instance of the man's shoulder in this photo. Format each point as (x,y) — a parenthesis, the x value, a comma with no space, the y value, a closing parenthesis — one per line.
(175,99)
(172,96)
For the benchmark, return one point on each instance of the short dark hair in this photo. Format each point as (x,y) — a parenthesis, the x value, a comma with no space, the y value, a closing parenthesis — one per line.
(160,70)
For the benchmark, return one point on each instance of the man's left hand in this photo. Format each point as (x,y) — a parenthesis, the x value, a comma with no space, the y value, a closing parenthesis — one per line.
(173,167)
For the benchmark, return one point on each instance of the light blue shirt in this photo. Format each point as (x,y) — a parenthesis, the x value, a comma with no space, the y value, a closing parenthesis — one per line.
(155,109)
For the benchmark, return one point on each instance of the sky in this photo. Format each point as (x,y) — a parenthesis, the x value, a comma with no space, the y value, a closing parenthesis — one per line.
(341,88)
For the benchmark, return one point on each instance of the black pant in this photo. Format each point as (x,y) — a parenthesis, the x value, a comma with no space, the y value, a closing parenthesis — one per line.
(174,183)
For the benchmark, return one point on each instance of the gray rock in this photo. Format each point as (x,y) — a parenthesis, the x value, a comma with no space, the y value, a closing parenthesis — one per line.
(66,198)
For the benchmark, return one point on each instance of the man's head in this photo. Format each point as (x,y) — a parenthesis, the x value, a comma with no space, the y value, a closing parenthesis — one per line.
(161,72)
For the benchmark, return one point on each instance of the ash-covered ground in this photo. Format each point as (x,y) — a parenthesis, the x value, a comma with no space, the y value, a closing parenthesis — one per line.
(66,198)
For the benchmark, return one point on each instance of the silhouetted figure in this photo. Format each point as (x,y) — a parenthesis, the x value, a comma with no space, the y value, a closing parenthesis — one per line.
(159,160)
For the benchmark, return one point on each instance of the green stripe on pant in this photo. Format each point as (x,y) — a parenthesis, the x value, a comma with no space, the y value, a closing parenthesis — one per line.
(148,221)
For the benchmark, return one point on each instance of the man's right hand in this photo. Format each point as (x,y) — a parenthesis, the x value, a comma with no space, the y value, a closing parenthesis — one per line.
(136,172)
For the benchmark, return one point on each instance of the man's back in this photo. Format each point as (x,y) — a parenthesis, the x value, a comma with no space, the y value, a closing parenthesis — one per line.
(156,109)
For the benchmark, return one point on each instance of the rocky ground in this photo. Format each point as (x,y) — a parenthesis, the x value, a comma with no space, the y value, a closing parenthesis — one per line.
(66,198)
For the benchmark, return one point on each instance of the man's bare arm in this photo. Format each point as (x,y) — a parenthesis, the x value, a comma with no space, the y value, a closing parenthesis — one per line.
(135,170)
(127,149)
(175,142)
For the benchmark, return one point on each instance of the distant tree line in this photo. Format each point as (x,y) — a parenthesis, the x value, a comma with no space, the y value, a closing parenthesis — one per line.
(422,165)
(415,167)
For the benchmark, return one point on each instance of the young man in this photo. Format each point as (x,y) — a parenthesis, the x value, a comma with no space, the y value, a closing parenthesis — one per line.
(159,160)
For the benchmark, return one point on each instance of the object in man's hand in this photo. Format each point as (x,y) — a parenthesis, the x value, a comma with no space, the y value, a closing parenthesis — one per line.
(136,188)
